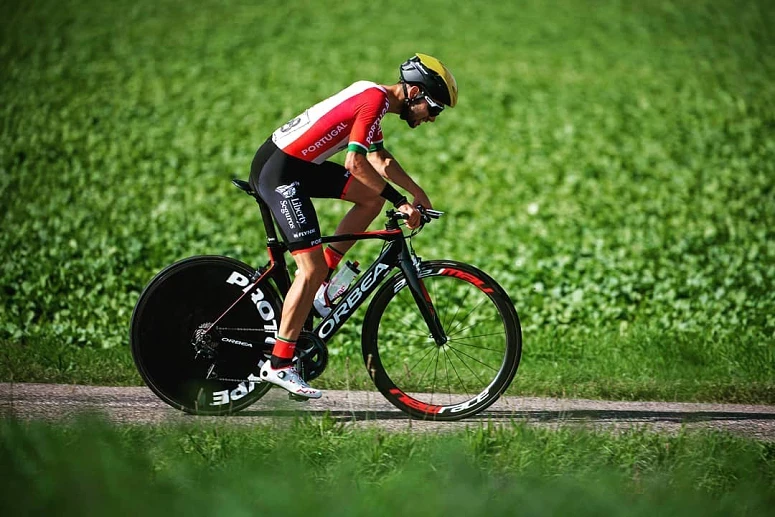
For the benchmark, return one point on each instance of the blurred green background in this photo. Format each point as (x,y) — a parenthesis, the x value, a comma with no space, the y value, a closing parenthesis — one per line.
(610,163)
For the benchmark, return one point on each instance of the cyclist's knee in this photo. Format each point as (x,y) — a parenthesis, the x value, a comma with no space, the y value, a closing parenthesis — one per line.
(364,198)
(312,266)
(317,273)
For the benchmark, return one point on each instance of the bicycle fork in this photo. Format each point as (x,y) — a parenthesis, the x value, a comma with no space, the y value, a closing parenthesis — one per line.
(422,298)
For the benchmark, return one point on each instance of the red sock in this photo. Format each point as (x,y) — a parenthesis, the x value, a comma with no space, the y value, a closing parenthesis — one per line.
(282,353)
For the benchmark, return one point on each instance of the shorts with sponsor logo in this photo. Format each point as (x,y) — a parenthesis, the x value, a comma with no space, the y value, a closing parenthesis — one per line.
(287,184)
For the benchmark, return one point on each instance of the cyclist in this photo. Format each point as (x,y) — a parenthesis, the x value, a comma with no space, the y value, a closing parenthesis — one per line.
(291,167)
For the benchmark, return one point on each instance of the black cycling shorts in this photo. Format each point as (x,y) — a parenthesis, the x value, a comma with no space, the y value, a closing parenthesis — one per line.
(287,184)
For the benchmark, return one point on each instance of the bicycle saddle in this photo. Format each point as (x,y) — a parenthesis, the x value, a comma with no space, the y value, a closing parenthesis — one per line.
(243,186)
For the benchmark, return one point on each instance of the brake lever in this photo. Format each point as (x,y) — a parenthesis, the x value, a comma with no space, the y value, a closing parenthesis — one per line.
(429,213)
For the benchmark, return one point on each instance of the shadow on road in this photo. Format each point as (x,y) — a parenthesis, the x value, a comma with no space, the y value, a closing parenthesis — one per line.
(535,415)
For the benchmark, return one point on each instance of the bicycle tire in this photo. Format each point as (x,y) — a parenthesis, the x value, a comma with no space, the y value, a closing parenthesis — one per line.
(189,295)
(395,335)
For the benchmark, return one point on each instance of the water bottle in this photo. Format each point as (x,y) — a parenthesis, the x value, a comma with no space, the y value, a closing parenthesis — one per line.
(328,294)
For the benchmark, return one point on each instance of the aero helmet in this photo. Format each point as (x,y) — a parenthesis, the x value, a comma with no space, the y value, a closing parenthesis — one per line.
(431,75)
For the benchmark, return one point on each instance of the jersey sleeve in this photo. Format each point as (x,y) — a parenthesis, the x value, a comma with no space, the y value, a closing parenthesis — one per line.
(366,135)
(378,142)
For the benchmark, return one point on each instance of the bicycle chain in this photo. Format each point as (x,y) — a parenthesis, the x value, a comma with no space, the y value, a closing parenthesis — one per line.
(239,329)
(257,381)
(242,329)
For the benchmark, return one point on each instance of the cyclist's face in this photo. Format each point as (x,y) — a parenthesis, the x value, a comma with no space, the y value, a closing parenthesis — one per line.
(419,111)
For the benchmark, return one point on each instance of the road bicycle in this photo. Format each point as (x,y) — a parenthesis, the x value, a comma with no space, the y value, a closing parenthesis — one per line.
(441,340)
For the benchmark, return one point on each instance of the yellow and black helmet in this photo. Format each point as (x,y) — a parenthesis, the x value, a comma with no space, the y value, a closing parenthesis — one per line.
(432,76)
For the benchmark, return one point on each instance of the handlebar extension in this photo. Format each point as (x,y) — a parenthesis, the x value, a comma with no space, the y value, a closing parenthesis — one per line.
(426,213)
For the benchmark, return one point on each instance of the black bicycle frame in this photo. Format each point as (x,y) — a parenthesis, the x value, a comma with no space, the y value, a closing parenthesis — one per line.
(395,254)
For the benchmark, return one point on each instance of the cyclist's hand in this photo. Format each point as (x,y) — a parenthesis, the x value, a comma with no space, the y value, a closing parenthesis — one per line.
(413,215)
(422,199)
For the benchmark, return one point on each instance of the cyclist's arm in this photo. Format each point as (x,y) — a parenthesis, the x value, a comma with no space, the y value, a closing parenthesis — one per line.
(365,135)
(360,167)
(366,132)
(389,168)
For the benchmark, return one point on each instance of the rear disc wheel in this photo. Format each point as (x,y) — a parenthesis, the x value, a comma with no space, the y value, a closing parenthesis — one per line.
(188,364)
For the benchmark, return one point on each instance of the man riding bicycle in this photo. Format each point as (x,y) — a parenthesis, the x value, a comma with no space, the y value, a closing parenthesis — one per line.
(291,167)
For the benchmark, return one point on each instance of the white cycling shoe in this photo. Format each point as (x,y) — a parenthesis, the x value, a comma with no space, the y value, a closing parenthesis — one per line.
(288,378)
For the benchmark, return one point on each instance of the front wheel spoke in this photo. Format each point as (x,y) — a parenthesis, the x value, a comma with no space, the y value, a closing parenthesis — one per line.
(409,370)
(495,316)
(473,358)
(499,333)
(448,315)
(433,386)
(396,335)
(460,342)
(407,302)
(462,383)
(446,373)
(459,305)
(413,334)
(427,351)
(419,383)
(464,318)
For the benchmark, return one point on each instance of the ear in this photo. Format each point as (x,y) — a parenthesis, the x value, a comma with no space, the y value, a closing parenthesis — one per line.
(413,91)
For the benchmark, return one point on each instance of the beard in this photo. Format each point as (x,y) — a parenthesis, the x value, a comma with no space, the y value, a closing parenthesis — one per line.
(408,116)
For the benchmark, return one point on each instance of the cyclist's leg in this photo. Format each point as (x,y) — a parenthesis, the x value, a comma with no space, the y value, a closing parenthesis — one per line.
(279,179)
(312,270)
(335,182)
(366,207)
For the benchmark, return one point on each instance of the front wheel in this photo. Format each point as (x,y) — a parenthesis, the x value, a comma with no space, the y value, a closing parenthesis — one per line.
(461,377)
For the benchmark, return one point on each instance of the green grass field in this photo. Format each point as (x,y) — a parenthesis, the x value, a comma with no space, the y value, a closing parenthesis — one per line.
(612,165)
(319,467)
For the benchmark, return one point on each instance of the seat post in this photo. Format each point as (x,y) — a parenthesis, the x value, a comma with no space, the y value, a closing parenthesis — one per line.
(268,220)
(266,214)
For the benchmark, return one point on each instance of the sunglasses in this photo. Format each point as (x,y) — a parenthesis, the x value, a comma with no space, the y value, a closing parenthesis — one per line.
(434,108)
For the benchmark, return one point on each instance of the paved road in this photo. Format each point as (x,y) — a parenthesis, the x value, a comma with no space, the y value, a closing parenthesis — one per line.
(365,408)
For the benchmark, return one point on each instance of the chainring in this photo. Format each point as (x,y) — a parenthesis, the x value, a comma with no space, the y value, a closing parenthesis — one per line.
(312,355)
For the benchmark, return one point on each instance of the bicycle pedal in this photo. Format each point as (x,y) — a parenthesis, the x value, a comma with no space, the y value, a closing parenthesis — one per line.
(297,398)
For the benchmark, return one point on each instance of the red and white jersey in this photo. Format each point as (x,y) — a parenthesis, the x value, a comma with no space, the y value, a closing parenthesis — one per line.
(351,119)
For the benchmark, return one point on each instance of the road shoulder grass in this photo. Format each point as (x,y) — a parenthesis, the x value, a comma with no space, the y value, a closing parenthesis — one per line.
(315,464)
